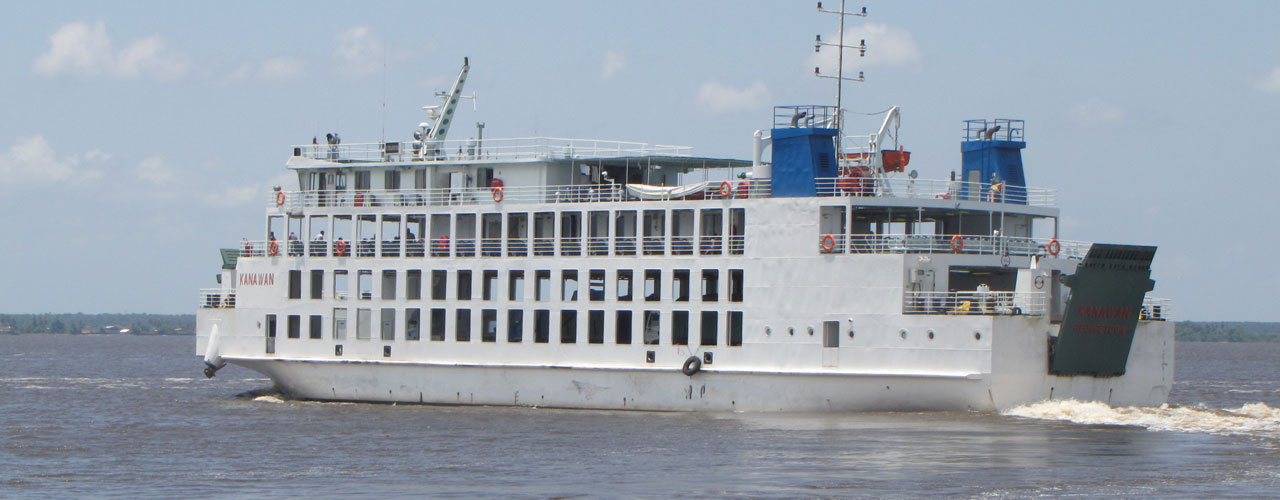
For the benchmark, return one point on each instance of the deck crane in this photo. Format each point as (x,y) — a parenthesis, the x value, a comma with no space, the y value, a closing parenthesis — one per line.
(430,136)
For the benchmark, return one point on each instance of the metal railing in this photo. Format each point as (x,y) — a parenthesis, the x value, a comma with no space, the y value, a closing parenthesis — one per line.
(906,188)
(498,246)
(217,298)
(998,129)
(1155,309)
(938,243)
(514,149)
(975,303)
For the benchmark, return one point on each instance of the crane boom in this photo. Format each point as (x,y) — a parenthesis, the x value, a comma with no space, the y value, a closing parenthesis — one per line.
(433,138)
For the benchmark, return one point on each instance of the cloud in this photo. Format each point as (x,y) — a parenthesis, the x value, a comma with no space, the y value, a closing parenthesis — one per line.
(358,52)
(1269,83)
(613,62)
(1096,112)
(886,46)
(32,162)
(720,98)
(155,170)
(84,49)
(276,69)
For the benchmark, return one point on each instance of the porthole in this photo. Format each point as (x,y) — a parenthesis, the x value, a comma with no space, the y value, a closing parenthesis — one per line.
(930,334)
(811,331)
(977,335)
(791,330)
(768,331)
(903,333)
(850,333)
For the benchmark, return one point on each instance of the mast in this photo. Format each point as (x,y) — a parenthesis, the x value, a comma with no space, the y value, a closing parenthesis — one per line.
(432,135)
(840,46)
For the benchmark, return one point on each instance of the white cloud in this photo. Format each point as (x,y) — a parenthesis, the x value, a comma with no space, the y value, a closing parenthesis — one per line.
(155,170)
(358,52)
(1096,112)
(278,69)
(613,62)
(720,98)
(886,45)
(32,161)
(1269,83)
(85,49)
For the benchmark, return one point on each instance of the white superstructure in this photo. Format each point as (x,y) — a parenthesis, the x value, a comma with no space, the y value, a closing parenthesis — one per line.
(605,274)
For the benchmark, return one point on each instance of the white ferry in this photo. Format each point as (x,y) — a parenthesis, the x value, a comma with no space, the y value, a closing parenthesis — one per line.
(618,275)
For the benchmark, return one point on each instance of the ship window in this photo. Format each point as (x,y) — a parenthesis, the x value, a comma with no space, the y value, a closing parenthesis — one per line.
(544,233)
(389,284)
(652,285)
(624,285)
(489,325)
(654,232)
(489,288)
(362,179)
(439,235)
(413,284)
(295,284)
(465,239)
(595,286)
(571,233)
(543,291)
(437,324)
(652,327)
(680,285)
(295,326)
(318,232)
(680,327)
(364,320)
(462,327)
(598,233)
(568,327)
(735,328)
(317,283)
(710,328)
(515,326)
(365,282)
(541,326)
(518,235)
(831,334)
(412,321)
(341,231)
(735,285)
(388,326)
(464,285)
(391,179)
(710,285)
(316,322)
(681,232)
(622,328)
(295,228)
(415,231)
(491,235)
(710,241)
(569,285)
(440,283)
(515,286)
(624,231)
(595,327)
(737,228)
(390,235)
(339,323)
(367,232)
(340,290)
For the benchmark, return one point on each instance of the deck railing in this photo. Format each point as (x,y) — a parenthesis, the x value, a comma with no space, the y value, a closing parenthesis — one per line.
(1155,309)
(937,243)
(514,149)
(217,298)
(974,303)
(375,198)
(902,187)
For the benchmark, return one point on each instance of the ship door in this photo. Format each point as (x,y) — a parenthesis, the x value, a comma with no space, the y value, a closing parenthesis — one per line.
(271,334)
(830,343)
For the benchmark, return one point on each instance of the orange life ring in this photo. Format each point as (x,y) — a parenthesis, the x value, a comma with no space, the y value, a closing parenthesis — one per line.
(280,198)
(957,243)
(726,189)
(274,248)
(497,194)
(828,243)
(1054,247)
(340,248)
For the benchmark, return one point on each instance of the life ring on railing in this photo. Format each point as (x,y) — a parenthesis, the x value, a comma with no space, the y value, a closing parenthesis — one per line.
(691,366)
(340,247)
(274,248)
(957,243)
(497,194)
(726,189)
(828,243)
(280,196)
(1054,247)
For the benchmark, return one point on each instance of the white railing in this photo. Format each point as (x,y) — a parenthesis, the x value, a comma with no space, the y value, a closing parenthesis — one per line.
(1155,309)
(937,243)
(217,298)
(525,148)
(974,303)
(294,201)
(901,187)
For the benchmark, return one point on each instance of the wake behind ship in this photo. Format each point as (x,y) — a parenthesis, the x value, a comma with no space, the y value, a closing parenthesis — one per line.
(619,275)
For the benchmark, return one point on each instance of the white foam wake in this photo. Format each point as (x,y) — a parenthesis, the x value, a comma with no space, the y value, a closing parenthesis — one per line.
(1253,419)
(268,398)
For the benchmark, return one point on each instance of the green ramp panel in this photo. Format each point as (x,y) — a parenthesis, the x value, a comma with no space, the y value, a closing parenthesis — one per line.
(1102,311)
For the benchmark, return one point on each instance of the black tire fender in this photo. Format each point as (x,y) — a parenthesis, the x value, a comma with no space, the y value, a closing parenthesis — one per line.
(691,366)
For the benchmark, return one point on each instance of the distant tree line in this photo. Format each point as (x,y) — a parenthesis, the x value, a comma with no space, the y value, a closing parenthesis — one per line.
(137,324)
(1227,331)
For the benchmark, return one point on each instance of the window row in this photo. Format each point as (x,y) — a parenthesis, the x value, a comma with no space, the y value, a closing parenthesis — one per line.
(602,232)
(596,326)
(626,284)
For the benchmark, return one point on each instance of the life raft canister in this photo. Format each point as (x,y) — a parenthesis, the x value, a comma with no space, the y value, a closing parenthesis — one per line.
(957,243)
(691,366)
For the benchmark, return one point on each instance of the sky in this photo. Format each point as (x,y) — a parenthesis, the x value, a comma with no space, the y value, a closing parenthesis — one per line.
(140,137)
